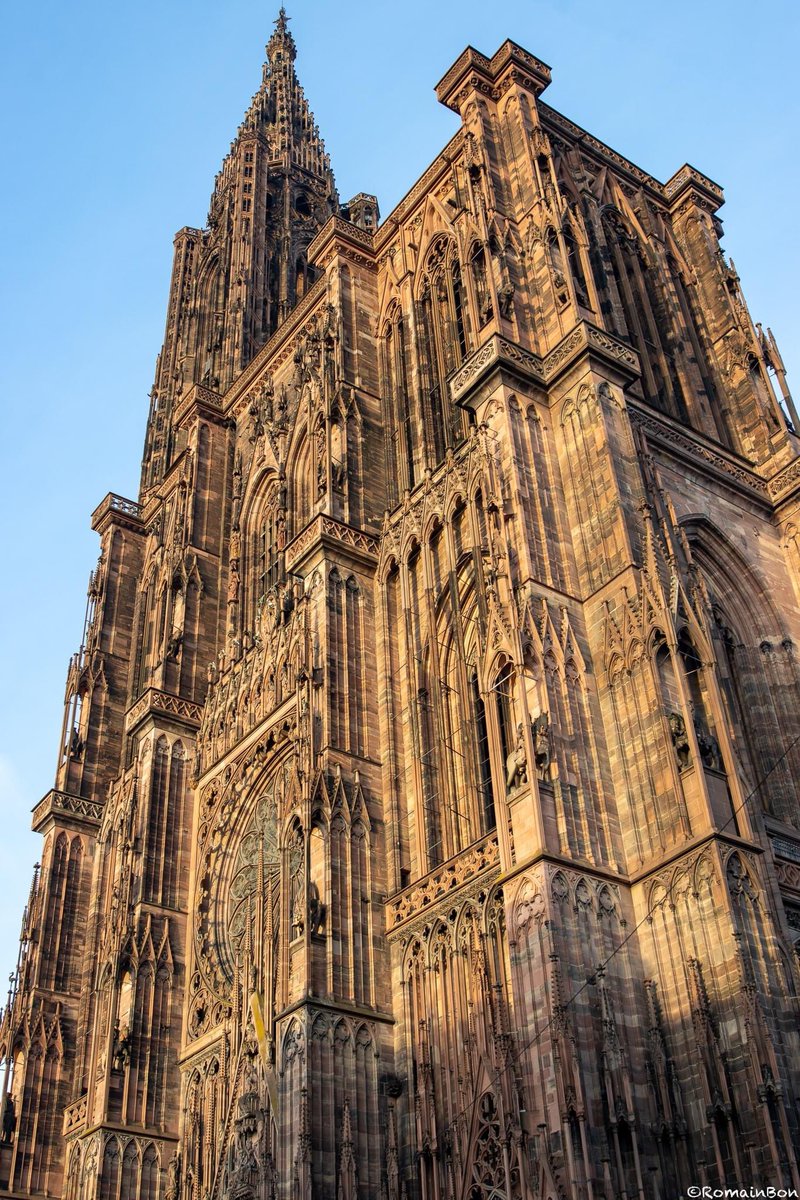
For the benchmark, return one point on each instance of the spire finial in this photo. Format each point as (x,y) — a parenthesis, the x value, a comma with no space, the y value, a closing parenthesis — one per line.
(281,41)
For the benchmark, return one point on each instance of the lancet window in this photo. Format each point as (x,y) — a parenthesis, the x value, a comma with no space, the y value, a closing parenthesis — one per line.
(444,337)
(642,310)
(575,260)
(402,444)
(480,276)
(265,545)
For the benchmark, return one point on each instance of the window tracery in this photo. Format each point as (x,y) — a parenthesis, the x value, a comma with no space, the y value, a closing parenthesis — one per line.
(444,338)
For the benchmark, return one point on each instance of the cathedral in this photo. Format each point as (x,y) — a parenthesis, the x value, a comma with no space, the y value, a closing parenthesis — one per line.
(426,820)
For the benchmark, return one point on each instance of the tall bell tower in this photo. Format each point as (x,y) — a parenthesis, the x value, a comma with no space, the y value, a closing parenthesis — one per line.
(235,281)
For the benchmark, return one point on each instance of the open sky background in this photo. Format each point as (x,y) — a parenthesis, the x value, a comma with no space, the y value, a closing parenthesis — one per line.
(114,120)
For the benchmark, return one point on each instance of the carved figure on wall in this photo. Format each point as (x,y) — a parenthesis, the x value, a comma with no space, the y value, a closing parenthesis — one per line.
(297,898)
(174,644)
(708,746)
(9,1121)
(677,729)
(75,746)
(541,744)
(316,910)
(505,300)
(121,1052)
(517,763)
(233,587)
(173,1185)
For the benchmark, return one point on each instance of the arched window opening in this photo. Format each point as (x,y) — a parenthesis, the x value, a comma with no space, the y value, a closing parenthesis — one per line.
(556,262)
(401,419)
(429,769)
(483,295)
(504,694)
(267,556)
(301,279)
(575,260)
(444,341)
(458,309)
(485,784)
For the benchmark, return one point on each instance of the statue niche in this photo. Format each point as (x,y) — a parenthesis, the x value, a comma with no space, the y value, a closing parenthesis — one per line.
(517,761)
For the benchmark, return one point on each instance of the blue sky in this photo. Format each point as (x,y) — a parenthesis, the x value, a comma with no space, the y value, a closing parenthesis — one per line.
(114,121)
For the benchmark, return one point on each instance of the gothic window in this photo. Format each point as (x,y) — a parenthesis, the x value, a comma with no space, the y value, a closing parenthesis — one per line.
(575,261)
(69,918)
(265,548)
(296,856)
(480,275)
(504,694)
(458,310)
(643,315)
(301,279)
(431,799)
(58,871)
(177,784)
(401,418)
(110,1176)
(130,1173)
(489,1181)
(556,261)
(485,784)
(443,344)
(157,820)
(150,1173)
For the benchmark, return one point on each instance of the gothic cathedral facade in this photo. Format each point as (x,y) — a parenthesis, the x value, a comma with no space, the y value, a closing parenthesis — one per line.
(426,823)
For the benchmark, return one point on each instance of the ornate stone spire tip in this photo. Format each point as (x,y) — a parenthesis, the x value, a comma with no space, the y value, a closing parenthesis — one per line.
(281,40)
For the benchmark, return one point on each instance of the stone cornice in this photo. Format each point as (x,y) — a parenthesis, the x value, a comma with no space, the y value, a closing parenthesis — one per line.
(555,122)
(473,71)
(496,351)
(64,808)
(327,531)
(420,899)
(116,510)
(690,184)
(586,337)
(338,236)
(690,445)
(199,401)
(500,351)
(165,704)
(782,485)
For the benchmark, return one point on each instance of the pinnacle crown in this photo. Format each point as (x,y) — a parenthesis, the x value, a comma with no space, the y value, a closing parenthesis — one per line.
(281,42)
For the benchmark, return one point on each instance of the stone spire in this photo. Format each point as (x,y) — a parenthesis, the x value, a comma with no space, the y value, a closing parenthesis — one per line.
(236,280)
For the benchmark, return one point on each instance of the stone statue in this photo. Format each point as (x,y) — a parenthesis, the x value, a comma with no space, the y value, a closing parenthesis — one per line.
(316,910)
(708,746)
(173,1185)
(505,299)
(233,587)
(75,745)
(680,741)
(517,763)
(9,1121)
(541,744)
(121,1052)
